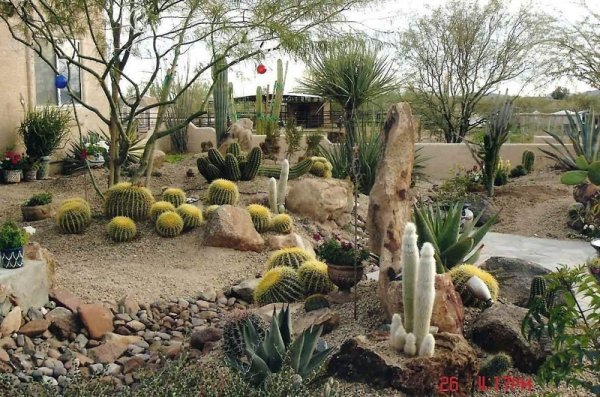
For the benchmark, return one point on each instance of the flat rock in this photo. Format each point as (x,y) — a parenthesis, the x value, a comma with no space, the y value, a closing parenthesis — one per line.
(319,199)
(34,327)
(66,299)
(376,363)
(203,336)
(498,329)
(245,289)
(107,352)
(63,322)
(324,317)
(12,322)
(97,319)
(232,227)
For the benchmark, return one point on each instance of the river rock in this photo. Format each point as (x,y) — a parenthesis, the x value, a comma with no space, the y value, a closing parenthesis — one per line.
(324,317)
(232,227)
(34,328)
(203,336)
(63,322)
(98,319)
(107,352)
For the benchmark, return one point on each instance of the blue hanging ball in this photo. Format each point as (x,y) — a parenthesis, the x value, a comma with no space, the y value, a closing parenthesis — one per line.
(60,81)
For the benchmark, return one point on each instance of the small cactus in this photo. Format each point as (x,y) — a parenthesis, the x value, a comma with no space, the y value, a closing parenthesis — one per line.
(497,365)
(191,215)
(527,160)
(318,169)
(125,199)
(462,273)
(315,302)
(235,166)
(222,191)
(174,196)
(216,158)
(282,223)
(73,216)
(160,207)
(292,257)
(261,217)
(234,345)
(234,149)
(250,170)
(314,277)
(539,291)
(321,167)
(232,168)
(121,229)
(280,284)
(169,224)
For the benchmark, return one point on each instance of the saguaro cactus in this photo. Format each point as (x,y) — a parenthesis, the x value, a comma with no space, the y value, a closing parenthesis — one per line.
(220,97)
(259,124)
(232,110)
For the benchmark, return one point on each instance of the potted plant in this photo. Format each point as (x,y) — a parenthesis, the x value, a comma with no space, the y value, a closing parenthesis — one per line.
(594,268)
(340,256)
(12,167)
(95,152)
(30,169)
(12,240)
(38,207)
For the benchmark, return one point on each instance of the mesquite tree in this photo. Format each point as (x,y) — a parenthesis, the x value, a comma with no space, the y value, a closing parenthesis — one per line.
(158,32)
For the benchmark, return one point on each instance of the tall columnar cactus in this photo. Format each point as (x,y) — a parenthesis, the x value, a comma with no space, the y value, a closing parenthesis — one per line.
(421,282)
(282,223)
(216,158)
(273,195)
(191,215)
(253,161)
(234,345)
(221,192)
(278,94)
(169,224)
(296,170)
(160,207)
(232,168)
(121,229)
(539,292)
(282,186)
(232,110)
(261,217)
(460,276)
(528,160)
(259,124)
(290,257)
(280,284)
(314,277)
(73,216)
(174,196)
(125,199)
(220,97)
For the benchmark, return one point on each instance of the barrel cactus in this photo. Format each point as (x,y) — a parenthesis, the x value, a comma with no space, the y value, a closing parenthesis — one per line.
(121,229)
(169,224)
(321,167)
(191,215)
(314,277)
(159,208)
(527,160)
(316,302)
(73,216)
(280,284)
(496,365)
(462,273)
(125,199)
(261,217)
(222,191)
(234,345)
(174,196)
(282,223)
(292,257)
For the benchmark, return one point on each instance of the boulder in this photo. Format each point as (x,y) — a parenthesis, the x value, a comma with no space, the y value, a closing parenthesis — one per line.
(34,328)
(376,363)
(480,205)
(276,242)
(448,311)
(107,352)
(325,317)
(514,277)
(320,199)
(12,322)
(232,227)
(158,158)
(97,319)
(34,251)
(63,322)
(498,329)
(245,289)
(30,283)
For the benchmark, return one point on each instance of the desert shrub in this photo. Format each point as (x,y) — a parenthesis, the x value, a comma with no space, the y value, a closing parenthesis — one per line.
(39,199)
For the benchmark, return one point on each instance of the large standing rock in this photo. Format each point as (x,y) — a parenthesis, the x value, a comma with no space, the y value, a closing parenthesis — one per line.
(98,320)
(320,199)
(232,227)
(448,311)
(389,202)
(514,277)
(376,363)
(499,329)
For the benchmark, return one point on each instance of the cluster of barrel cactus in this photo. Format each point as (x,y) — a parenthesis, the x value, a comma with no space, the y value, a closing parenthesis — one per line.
(159,208)
(280,284)
(261,217)
(174,196)
(316,302)
(314,277)
(121,229)
(234,345)
(321,167)
(235,166)
(496,365)
(291,257)
(526,166)
(74,216)
(126,199)
(462,273)
(221,192)
(191,216)
(169,224)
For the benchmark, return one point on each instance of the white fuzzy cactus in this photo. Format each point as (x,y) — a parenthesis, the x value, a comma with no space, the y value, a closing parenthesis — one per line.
(418,294)
(273,195)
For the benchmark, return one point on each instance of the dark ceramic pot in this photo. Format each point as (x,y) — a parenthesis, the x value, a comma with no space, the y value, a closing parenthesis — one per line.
(11,258)
(345,277)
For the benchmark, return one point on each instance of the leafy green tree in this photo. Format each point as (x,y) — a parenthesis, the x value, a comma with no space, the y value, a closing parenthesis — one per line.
(560,93)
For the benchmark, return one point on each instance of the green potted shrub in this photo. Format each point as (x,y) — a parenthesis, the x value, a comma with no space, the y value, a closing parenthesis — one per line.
(12,167)
(38,207)
(12,240)
(340,256)
(30,169)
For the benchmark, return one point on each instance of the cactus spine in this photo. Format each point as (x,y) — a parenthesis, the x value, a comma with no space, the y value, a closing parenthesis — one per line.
(282,186)
(314,277)
(296,170)
(73,216)
(174,196)
(169,224)
(191,215)
(261,217)
(410,259)
(280,284)
(528,160)
(290,257)
(282,223)
(121,229)
(232,110)
(220,96)
(222,191)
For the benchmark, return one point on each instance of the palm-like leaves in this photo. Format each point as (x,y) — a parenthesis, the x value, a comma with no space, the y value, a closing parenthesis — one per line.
(584,134)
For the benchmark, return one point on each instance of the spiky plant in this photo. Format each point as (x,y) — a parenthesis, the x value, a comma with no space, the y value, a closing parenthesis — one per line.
(496,365)
(121,229)
(125,199)
(318,169)
(191,215)
(280,284)
(282,223)
(292,257)
(160,207)
(234,345)
(316,302)
(74,216)
(169,224)
(461,274)
(174,196)
(314,277)
(261,217)
(295,171)
(222,191)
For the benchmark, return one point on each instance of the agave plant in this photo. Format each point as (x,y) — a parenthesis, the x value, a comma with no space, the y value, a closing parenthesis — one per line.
(442,228)
(584,134)
(268,355)
(584,172)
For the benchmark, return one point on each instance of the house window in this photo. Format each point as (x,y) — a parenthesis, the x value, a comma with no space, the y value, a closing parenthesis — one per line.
(46,91)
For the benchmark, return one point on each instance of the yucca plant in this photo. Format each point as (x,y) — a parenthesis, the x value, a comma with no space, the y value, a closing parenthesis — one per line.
(269,354)
(442,228)
(584,134)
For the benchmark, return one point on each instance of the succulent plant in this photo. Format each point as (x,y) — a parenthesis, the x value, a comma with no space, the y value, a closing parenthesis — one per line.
(207,169)
(278,189)
(234,345)
(232,168)
(169,224)
(527,160)
(318,169)
(518,171)
(121,229)
(174,196)
(585,171)
(314,277)
(220,95)
(160,207)
(296,170)
(280,284)
(125,199)
(210,209)
(191,215)
(235,166)
(461,274)
(316,302)
(73,216)
(321,167)
(282,223)
(540,295)
(234,149)
(261,217)
(292,257)
(496,365)
(222,191)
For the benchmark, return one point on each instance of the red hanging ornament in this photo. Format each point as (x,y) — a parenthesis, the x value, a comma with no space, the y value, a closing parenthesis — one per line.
(261,69)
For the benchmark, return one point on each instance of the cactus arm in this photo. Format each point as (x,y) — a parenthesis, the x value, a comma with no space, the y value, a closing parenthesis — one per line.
(427,347)
(424,294)
(232,109)
(259,111)
(282,184)
(409,260)
(410,346)
(273,195)
(220,97)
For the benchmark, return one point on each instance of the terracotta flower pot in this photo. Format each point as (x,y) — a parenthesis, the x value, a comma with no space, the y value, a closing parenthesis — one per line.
(11,258)
(37,212)
(345,277)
